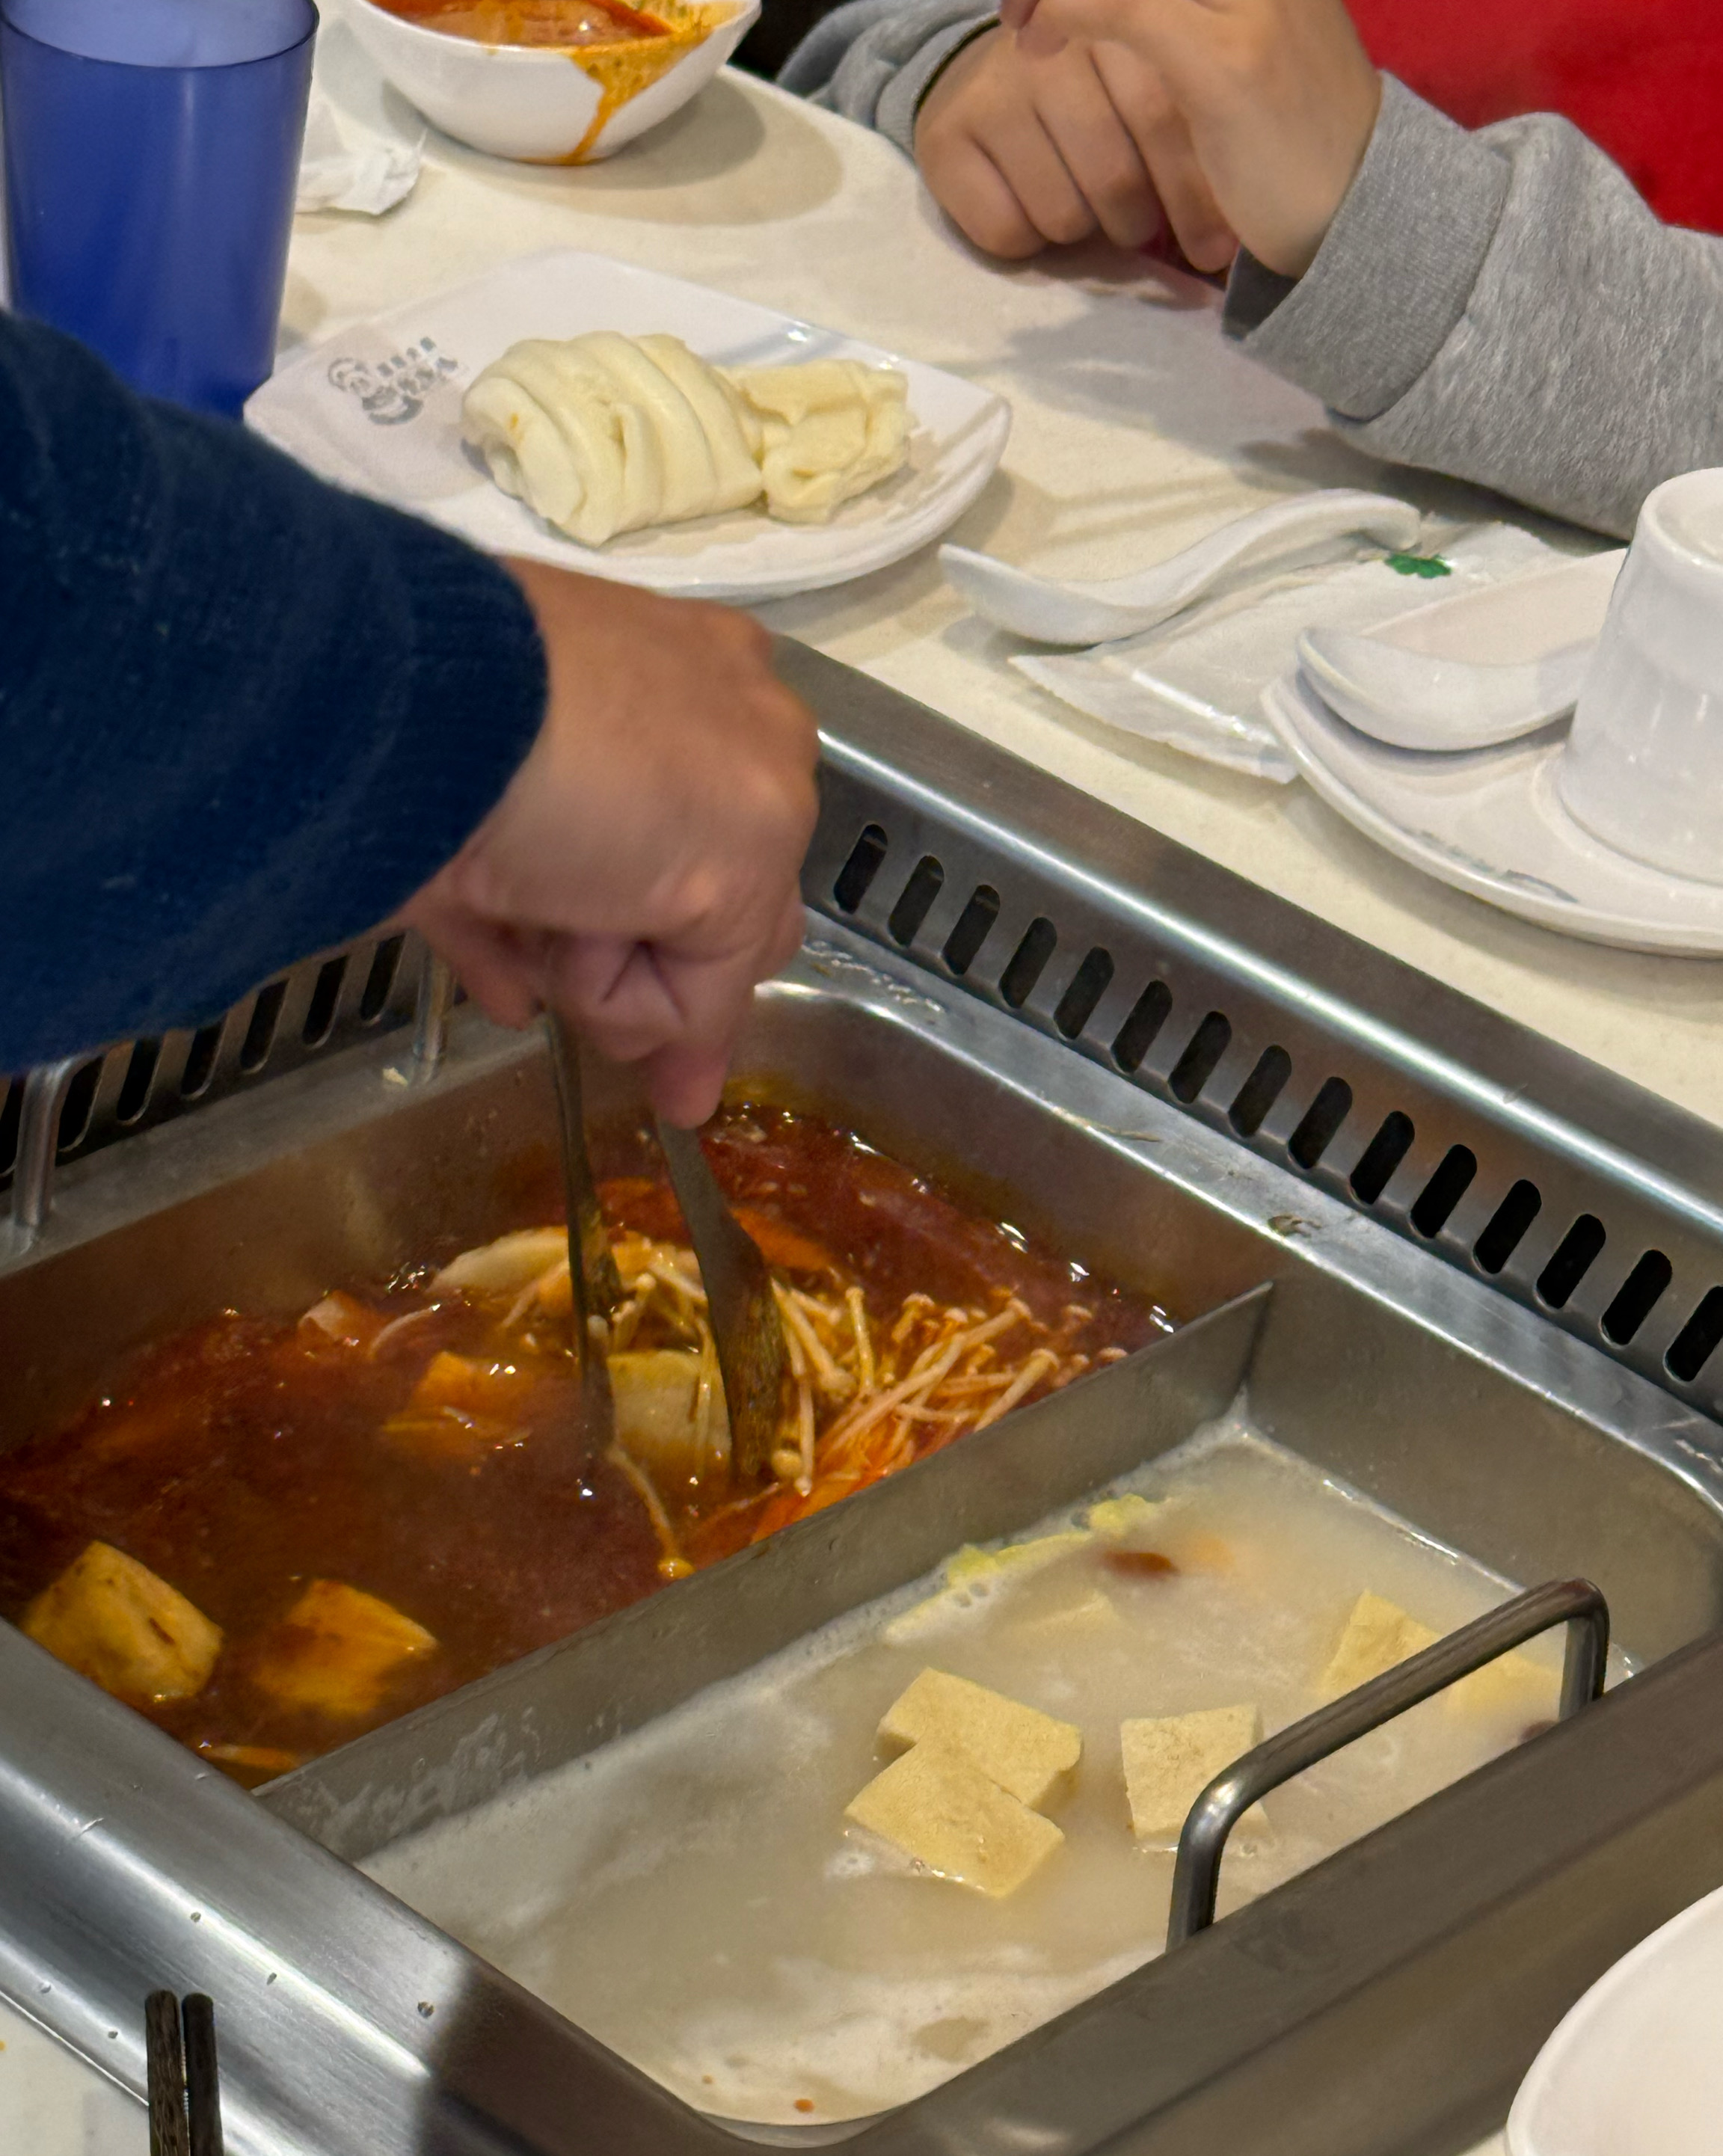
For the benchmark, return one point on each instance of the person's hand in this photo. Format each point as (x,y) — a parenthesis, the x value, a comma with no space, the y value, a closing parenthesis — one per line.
(1027,149)
(1279,96)
(640,872)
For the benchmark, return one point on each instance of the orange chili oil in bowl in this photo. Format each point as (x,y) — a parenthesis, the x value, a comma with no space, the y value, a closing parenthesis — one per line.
(273,1534)
(549,81)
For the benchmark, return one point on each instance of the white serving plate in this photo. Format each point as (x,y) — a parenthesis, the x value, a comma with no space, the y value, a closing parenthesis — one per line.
(1636,2068)
(377,408)
(1491,821)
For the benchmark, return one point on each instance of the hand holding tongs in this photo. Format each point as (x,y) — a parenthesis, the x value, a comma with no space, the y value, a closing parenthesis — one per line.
(746,1329)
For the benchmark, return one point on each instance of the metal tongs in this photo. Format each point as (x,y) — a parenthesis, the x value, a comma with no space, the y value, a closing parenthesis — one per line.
(740,1301)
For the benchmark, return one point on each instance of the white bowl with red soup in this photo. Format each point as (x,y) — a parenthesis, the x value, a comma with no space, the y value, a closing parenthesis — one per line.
(549,81)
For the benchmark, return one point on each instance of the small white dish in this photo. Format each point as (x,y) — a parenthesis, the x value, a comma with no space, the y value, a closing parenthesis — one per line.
(1308,528)
(1636,2067)
(1413,700)
(553,105)
(1644,763)
(377,408)
(1491,822)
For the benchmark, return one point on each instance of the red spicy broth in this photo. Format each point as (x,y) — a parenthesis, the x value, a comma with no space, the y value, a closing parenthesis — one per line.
(249,1458)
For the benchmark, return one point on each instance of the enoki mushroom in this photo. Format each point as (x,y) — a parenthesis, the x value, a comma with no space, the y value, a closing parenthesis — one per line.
(867,1392)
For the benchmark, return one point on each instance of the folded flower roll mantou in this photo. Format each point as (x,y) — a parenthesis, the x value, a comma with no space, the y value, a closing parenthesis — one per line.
(832,428)
(603,433)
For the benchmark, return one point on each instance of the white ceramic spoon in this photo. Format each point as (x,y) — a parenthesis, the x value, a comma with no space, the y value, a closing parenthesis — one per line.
(1410,699)
(1305,528)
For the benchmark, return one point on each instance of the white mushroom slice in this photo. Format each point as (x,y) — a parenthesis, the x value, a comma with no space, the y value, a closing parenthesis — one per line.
(505,1266)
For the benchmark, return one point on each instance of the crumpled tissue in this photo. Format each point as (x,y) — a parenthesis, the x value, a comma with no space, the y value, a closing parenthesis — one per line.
(364,143)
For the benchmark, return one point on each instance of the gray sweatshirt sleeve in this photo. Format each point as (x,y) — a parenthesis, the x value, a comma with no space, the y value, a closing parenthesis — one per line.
(1503,307)
(874,60)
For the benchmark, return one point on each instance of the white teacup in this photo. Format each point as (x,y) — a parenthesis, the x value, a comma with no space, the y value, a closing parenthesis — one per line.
(1643,769)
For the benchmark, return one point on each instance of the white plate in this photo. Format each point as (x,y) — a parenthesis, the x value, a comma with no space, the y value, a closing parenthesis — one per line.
(377,408)
(1636,2068)
(1491,823)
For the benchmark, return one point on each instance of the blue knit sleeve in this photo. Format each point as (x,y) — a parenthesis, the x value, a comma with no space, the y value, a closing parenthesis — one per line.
(243,715)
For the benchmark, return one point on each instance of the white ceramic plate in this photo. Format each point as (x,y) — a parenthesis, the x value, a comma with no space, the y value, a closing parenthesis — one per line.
(377,408)
(1491,823)
(1636,2068)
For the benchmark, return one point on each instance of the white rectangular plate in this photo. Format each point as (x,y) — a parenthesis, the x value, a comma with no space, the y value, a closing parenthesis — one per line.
(377,408)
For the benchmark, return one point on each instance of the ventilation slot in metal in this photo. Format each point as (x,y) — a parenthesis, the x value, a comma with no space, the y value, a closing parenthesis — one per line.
(1636,1297)
(80,1102)
(1029,962)
(1444,1190)
(378,981)
(1204,1051)
(1136,1036)
(135,1086)
(200,1061)
(1575,1255)
(1321,1125)
(858,873)
(260,1033)
(1259,1091)
(1382,1155)
(915,899)
(1693,1346)
(325,1001)
(1089,984)
(10,1112)
(1507,1226)
(974,924)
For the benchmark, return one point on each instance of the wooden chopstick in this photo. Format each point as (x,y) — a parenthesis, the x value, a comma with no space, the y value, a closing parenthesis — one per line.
(203,2103)
(183,2079)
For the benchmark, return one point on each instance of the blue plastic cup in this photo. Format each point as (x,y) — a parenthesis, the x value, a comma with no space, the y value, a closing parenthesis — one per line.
(153,152)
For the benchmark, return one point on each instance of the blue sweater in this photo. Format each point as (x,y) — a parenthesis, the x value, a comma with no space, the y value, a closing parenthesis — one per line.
(243,716)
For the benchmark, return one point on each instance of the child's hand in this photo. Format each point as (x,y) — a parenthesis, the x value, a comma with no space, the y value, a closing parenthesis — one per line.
(1279,97)
(1024,149)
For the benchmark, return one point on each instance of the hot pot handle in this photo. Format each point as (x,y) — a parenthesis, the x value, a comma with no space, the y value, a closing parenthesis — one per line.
(1574,1603)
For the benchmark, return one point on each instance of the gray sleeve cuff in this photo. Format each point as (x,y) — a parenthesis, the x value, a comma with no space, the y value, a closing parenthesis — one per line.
(900,100)
(1393,277)
(874,60)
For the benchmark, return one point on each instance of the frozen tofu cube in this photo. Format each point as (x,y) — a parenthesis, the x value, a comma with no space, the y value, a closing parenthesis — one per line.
(938,1807)
(1027,1752)
(1378,1634)
(111,1619)
(1512,1688)
(336,1651)
(1170,1762)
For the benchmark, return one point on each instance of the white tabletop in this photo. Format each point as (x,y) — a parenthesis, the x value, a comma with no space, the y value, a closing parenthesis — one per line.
(1135,430)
